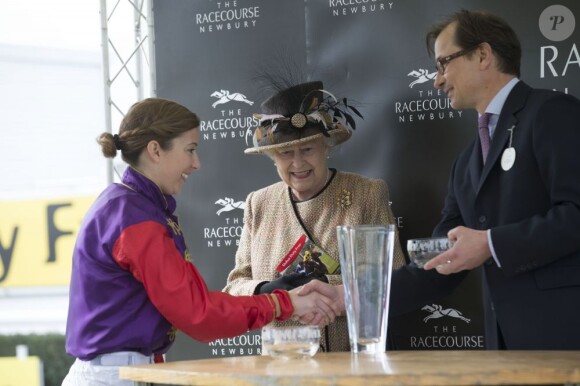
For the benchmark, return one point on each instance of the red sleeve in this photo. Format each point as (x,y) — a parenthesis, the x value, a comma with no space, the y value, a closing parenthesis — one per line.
(179,292)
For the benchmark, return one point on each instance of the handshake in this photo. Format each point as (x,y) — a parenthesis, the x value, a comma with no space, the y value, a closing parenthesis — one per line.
(315,301)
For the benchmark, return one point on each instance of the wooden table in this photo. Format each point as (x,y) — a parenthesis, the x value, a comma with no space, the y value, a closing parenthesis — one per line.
(392,368)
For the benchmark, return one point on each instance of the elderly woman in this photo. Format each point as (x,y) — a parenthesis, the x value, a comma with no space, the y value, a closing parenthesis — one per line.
(298,127)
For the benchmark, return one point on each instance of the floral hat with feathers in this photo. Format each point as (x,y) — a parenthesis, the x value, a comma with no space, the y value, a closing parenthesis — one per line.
(299,114)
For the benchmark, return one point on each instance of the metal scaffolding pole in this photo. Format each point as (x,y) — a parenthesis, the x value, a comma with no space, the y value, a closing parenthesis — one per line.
(128,59)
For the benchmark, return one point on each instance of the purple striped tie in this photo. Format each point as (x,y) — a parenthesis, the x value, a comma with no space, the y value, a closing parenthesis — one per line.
(484,134)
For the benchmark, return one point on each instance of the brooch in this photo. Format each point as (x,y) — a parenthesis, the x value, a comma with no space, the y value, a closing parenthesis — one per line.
(344,200)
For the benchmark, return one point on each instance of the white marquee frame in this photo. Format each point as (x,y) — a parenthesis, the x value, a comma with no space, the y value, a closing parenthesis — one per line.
(127,40)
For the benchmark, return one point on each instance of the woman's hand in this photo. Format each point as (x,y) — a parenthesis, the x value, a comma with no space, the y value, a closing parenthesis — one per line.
(287,282)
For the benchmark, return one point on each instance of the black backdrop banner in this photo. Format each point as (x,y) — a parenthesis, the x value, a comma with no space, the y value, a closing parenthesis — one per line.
(207,55)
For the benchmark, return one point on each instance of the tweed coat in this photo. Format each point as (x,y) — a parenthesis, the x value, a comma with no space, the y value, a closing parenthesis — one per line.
(271,228)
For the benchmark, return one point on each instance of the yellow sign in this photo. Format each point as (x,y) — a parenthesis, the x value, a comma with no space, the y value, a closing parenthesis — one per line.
(21,372)
(37,239)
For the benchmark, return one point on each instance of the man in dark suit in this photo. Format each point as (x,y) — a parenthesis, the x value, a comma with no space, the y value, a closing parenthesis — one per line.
(517,211)
(515,215)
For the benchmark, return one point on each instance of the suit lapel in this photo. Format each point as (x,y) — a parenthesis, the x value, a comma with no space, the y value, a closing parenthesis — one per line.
(515,101)
(475,165)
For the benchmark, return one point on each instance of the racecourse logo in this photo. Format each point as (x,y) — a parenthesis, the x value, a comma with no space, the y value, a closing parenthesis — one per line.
(437,311)
(248,344)
(445,334)
(427,103)
(231,120)
(227,16)
(224,97)
(422,76)
(228,204)
(227,230)
(362,7)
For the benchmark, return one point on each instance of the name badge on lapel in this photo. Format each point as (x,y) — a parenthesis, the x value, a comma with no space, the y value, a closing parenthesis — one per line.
(508,158)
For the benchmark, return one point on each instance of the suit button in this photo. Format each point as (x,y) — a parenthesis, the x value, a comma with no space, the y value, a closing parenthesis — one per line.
(482,219)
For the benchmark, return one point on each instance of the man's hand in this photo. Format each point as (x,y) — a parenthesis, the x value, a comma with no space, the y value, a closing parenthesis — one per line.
(470,250)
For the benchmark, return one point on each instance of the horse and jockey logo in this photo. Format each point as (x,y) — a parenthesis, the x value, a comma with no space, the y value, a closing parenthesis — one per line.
(422,76)
(438,311)
(224,96)
(229,204)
